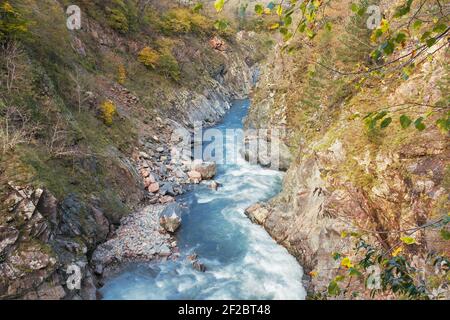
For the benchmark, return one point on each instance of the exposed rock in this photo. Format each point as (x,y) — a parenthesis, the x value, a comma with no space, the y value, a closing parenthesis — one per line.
(166,199)
(214,185)
(274,153)
(257,213)
(137,239)
(154,187)
(167,188)
(195,176)
(8,237)
(218,44)
(145,173)
(207,170)
(196,264)
(170,217)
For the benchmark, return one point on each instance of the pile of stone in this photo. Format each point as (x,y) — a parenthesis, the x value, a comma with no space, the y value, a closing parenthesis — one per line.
(161,178)
(137,239)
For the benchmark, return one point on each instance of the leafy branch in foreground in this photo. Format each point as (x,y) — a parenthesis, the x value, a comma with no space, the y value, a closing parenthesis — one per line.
(395,270)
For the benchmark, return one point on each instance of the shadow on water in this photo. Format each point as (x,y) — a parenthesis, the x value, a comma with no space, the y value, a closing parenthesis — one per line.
(242,261)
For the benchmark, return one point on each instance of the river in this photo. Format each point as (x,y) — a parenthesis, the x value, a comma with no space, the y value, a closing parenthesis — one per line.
(242,260)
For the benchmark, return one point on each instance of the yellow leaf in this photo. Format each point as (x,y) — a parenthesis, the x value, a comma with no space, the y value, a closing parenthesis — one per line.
(313,274)
(279,10)
(397,251)
(346,262)
(274,26)
(384,25)
(267,11)
(344,234)
(219,5)
(408,240)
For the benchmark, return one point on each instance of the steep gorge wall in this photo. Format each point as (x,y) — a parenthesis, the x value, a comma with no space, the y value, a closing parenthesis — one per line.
(344,179)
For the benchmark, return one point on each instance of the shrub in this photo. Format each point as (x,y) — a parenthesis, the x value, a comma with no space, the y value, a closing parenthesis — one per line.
(182,20)
(121,74)
(149,57)
(118,20)
(169,66)
(162,60)
(11,23)
(109,110)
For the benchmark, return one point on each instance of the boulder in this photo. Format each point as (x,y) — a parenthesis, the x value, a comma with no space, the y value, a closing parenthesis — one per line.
(206,169)
(166,199)
(257,214)
(167,189)
(170,217)
(145,173)
(214,185)
(154,187)
(196,264)
(195,176)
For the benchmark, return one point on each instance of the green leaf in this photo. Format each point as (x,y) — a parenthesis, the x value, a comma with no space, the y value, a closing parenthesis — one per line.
(310,33)
(354,7)
(430,42)
(328,26)
(380,115)
(219,5)
(333,288)
(388,47)
(443,124)
(302,27)
(259,9)
(404,9)
(336,255)
(417,24)
(405,121)
(400,38)
(385,123)
(221,24)
(354,272)
(419,124)
(339,278)
(445,234)
(357,9)
(425,36)
(376,54)
(440,28)
(198,7)
(287,21)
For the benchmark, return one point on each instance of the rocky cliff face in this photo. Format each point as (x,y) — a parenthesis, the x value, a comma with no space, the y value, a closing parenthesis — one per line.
(344,178)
